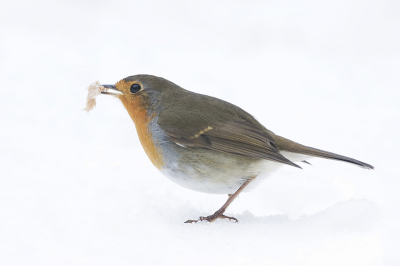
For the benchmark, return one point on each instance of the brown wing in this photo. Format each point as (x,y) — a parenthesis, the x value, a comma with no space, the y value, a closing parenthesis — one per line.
(237,136)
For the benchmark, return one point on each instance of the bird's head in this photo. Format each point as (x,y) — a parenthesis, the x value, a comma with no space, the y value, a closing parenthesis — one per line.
(141,93)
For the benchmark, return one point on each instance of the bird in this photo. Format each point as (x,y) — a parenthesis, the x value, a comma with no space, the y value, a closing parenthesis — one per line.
(204,143)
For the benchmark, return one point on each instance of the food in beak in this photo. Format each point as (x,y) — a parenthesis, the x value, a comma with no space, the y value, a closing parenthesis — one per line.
(94,90)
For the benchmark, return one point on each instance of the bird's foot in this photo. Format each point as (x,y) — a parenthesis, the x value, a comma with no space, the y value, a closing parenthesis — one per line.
(212,218)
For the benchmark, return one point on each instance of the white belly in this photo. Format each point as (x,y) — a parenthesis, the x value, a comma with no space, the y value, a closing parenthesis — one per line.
(224,175)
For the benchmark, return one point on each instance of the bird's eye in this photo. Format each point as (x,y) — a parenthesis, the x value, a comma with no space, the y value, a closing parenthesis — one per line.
(135,88)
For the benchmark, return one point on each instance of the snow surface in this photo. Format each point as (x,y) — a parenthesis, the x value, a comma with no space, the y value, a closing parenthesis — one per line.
(77,188)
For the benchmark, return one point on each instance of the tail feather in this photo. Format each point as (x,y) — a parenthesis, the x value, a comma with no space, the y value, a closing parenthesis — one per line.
(291,146)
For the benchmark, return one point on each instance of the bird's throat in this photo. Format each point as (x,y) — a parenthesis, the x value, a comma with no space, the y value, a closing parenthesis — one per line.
(137,110)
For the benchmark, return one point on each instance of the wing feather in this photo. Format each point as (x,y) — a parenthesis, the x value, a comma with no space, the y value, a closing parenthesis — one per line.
(237,136)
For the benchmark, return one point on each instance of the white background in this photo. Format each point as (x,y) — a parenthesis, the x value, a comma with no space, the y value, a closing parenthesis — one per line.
(77,188)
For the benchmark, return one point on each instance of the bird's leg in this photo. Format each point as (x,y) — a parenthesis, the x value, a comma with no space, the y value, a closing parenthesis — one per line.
(220,212)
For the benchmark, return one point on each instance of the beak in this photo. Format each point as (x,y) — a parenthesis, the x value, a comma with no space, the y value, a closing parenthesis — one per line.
(111,90)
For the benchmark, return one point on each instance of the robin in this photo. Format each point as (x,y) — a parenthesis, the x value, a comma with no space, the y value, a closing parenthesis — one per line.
(204,143)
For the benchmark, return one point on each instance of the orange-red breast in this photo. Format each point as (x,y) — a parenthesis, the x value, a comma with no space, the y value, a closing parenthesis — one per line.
(204,143)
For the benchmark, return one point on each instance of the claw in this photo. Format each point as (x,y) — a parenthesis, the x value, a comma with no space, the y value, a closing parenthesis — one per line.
(191,221)
(228,217)
(212,218)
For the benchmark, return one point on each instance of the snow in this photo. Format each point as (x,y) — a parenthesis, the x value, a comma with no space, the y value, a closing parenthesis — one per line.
(323,74)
